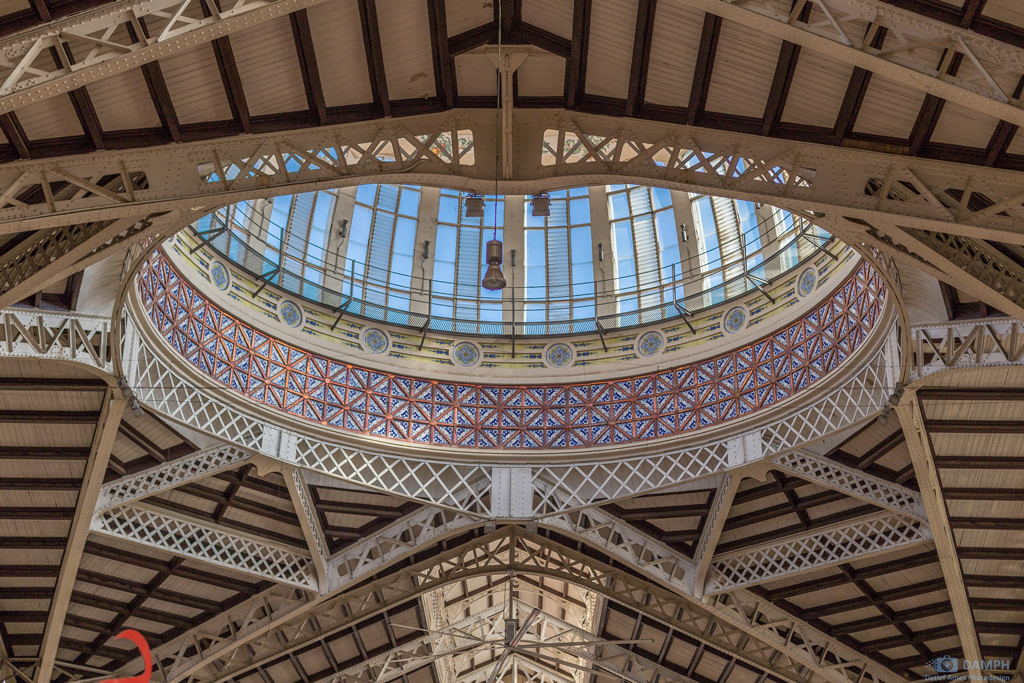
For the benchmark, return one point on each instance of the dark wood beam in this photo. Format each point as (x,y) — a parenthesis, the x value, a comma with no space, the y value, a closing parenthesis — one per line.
(974,426)
(33,543)
(10,512)
(82,104)
(42,9)
(880,450)
(50,416)
(785,69)
(51,384)
(157,87)
(931,108)
(576,66)
(765,537)
(485,34)
(972,9)
(642,40)
(1010,495)
(374,55)
(43,453)
(229,74)
(444,69)
(969,394)
(856,89)
(831,609)
(983,523)
(200,576)
(869,572)
(308,65)
(1004,133)
(15,134)
(701,83)
(39,484)
(528,34)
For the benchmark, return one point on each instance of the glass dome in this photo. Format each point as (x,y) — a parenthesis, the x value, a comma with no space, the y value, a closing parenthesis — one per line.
(605,257)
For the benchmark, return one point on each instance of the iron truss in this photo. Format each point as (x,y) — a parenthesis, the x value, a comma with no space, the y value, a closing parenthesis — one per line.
(934,215)
(513,492)
(504,550)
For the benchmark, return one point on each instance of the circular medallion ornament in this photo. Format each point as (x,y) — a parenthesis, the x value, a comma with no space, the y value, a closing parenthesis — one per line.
(735,319)
(558,355)
(649,343)
(465,354)
(219,275)
(375,341)
(291,314)
(808,279)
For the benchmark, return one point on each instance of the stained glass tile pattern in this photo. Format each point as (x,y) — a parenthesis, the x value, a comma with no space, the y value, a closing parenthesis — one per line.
(483,416)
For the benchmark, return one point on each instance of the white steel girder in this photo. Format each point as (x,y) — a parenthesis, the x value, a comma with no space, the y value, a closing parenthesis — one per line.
(102,35)
(592,526)
(836,29)
(919,445)
(554,148)
(73,337)
(311,530)
(971,265)
(488,555)
(968,344)
(49,256)
(255,615)
(529,671)
(742,613)
(173,474)
(990,68)
(192,539)
(484,490)
(863,537)
(99,456)
(830,474)
(713,526)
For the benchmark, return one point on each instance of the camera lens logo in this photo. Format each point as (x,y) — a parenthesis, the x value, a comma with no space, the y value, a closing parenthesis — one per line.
(945,665)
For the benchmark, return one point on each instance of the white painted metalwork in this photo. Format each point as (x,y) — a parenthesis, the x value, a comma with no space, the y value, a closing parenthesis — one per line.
(171,474)
(853,482)
(426,525)
(968,344)
(669,567)
(30,75)
(488,555)
(854,540)
(922,458)
(353,564)
(839,33)
(858,399)
(99,456)
(440,149)
(713,527)
(57,336)
(311,530)
(188,538)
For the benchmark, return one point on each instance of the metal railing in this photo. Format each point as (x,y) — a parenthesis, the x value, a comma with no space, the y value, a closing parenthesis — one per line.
(360,291)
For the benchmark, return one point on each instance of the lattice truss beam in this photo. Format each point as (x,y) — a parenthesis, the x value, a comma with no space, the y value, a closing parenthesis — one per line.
(943,211)
(553,148)
(984,343)
(797,658)
(592,526)
(485,490)
(917,55)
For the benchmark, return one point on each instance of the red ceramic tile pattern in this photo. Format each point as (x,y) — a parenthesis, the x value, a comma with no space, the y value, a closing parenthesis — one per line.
(665,403)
